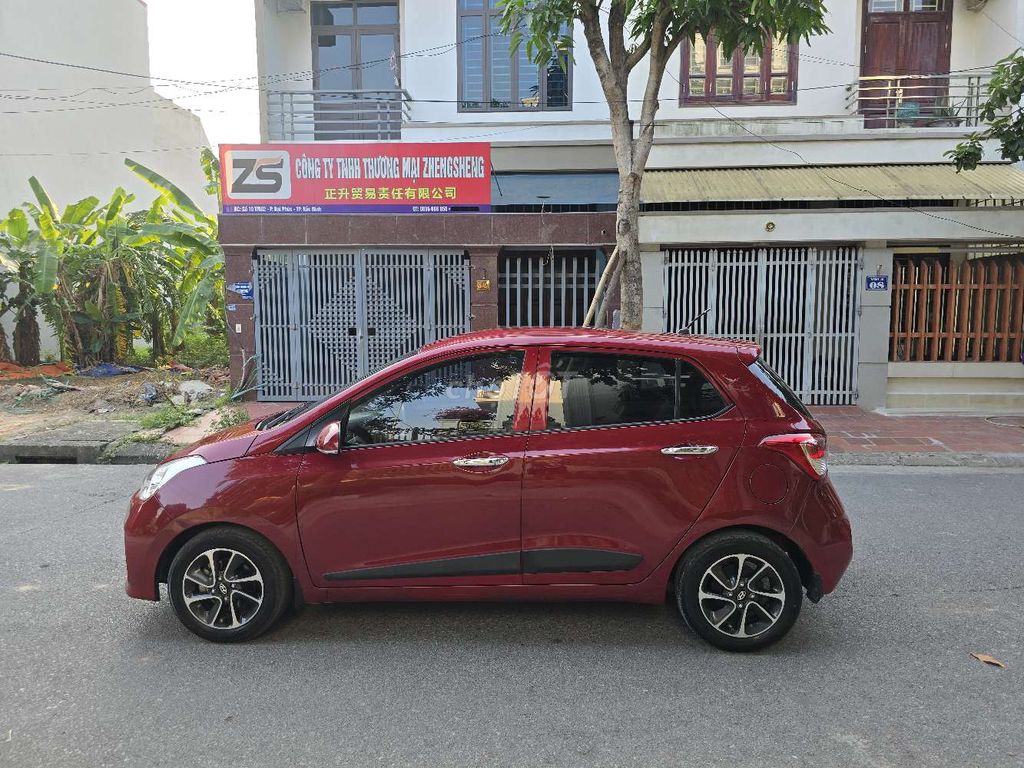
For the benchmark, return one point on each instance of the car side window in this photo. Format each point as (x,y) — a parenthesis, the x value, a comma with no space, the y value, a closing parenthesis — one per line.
(461,398)
(598,389)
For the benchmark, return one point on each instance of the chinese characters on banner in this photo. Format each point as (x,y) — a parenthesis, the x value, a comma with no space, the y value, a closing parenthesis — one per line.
(355,178)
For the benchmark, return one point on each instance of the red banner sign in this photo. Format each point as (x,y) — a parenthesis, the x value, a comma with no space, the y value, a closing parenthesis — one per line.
(355,178)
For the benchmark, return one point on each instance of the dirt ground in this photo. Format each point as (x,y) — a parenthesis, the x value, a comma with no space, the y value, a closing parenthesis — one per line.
(28,405)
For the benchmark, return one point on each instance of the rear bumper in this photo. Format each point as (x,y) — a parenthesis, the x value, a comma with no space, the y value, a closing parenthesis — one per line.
(824,534)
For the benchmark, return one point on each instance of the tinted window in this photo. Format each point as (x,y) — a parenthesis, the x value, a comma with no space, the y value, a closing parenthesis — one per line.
(589,389)
(472,396)
(774,382)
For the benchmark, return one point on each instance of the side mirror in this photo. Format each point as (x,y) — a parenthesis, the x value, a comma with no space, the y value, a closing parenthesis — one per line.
(328,441)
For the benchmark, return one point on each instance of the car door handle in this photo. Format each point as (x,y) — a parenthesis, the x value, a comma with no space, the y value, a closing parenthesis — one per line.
(690,450)
(476,462)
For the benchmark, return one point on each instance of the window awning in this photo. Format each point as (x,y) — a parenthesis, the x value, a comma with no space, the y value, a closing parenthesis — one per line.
(993,181)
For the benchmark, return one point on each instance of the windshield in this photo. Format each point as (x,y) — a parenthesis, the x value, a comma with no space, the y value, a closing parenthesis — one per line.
(774,382)
(283,417)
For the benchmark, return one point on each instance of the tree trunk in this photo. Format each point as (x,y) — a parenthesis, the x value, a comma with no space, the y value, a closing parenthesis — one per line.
(5,350)
(26,336)
(627,238)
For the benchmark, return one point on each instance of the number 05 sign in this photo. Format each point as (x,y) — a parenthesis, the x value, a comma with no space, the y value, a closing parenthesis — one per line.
(355,178)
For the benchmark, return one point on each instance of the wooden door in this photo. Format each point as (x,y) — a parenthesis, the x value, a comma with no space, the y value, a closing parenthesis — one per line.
(904,37)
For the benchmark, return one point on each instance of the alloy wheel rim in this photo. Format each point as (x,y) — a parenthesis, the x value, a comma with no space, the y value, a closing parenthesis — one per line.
(222,588)
(741,595)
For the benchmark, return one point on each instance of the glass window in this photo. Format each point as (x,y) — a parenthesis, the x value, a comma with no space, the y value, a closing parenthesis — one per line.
(494,79)
(466,398)
(370,12)
(593,389)
(775,383)
(333,14)
(928,6)
(885,6)
(737,76)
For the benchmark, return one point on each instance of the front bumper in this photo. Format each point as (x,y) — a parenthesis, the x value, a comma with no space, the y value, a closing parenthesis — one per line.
(141,555)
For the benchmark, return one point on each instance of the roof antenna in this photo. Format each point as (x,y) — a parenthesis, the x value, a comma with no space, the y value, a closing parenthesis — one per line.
(690,324)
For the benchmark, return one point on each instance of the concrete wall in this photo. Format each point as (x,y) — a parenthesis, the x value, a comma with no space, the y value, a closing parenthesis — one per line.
(687,136)
(69,131)
(65,126)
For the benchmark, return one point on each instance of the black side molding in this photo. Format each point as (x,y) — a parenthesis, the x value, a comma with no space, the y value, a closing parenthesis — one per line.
(577,560)
(565,560)
(474,565)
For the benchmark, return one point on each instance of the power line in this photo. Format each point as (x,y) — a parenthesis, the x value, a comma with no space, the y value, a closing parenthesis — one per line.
(1008,32)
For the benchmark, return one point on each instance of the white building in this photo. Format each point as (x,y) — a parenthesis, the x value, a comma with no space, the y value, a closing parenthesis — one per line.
(776,187)
(69,123)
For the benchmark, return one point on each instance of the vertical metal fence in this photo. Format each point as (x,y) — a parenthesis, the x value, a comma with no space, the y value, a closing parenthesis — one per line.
(328,317)
(800,303)
(546,289)
(967,312)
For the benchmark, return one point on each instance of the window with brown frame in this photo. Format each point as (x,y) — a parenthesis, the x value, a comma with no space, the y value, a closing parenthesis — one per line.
(711,75)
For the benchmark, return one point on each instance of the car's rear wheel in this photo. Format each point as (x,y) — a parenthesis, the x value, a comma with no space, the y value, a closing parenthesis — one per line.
(740,591)
(228,584)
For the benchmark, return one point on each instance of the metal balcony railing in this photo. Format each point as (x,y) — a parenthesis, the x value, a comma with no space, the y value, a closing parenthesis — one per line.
(919,101)
(336,115)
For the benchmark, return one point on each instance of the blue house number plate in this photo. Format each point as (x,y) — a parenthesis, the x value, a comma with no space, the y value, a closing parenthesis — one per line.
(877,282)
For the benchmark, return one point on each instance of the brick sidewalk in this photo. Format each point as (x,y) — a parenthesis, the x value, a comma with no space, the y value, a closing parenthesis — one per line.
(852,430)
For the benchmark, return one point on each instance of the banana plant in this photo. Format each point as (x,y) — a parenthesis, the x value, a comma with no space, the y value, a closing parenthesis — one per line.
(102,273)
(193,234)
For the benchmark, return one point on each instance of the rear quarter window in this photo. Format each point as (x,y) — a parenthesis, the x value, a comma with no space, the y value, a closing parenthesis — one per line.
(767,376)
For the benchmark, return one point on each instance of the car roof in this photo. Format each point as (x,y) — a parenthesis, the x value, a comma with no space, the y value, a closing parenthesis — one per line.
(661,342)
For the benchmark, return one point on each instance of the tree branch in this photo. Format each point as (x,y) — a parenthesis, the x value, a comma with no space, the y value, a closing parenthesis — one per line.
(617,34)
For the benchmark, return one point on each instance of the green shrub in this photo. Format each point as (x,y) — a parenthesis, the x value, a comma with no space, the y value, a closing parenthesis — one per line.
(201,350)
(140,357)
(166,417)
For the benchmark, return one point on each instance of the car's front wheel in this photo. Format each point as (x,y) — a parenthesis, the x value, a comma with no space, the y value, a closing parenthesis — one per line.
(739,590)
(228,584)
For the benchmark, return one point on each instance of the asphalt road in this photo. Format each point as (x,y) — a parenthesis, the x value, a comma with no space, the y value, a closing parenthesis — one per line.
(878,674)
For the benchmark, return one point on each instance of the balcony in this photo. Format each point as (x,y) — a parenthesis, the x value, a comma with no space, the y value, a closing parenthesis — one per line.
(336,115)
(919,101)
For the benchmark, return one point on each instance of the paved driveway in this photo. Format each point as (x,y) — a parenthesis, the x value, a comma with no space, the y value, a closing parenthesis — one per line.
(877,675)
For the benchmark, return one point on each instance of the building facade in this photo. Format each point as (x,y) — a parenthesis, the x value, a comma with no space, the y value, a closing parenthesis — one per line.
(800,198)
(70,124)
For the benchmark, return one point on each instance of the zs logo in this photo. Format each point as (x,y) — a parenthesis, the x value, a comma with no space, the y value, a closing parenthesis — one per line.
(259,175)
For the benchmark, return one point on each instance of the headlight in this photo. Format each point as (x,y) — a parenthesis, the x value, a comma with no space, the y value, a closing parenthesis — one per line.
(165,472)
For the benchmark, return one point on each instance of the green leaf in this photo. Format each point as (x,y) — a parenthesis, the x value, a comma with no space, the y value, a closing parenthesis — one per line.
(77,213)
(17,225)
(194,308)
(158,182)
(44,199)
(47,260)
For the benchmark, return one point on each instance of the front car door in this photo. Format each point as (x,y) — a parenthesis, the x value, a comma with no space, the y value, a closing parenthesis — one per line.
(628,449)
(426,489)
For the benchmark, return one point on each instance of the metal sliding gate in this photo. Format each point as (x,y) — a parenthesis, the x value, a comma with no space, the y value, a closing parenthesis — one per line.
(327,317)
(546,289)
(800,303)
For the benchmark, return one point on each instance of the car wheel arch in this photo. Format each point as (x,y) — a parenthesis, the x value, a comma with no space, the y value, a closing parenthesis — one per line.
(182,538)
(791,548)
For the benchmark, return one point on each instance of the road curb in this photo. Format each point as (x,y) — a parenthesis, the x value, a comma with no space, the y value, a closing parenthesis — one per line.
(927,459)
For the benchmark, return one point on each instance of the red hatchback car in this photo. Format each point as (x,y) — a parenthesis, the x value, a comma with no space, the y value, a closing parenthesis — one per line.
(541,464)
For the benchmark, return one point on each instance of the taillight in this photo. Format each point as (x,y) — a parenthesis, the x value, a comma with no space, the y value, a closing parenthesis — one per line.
(809,452)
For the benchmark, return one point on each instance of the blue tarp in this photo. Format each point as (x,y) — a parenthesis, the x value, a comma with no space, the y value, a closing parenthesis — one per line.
(103,370)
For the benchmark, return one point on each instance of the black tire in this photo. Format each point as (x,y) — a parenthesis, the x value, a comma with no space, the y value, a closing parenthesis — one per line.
(274,590)
(725,551)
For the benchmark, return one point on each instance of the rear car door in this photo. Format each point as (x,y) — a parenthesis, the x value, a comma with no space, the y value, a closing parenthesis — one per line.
(626,450)
(426,488)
